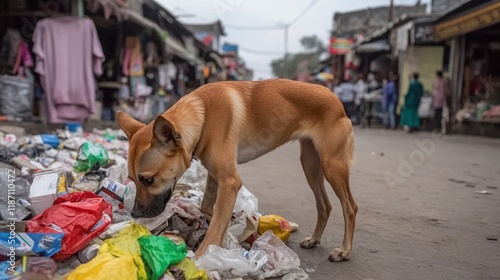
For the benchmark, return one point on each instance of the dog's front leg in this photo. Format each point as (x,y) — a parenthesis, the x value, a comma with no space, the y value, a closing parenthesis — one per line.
(208,201)
(223,210)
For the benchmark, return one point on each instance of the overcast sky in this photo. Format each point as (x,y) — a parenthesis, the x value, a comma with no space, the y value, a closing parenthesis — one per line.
(318,20)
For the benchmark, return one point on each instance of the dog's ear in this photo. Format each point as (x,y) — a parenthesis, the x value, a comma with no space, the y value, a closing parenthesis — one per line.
(164,133)
(128,124)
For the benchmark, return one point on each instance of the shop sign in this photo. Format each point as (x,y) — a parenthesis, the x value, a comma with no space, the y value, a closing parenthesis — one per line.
(423,33)
(468,23)
(340,45)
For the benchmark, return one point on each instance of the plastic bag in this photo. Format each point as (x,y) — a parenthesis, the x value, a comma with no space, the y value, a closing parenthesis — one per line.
(296,274)
(16,99)
(191,272)
(233,263)
(104,267)
(26,244)
(195,176)
(158,253)
(243,227)
(125,244)
(280,258)
(81,216)
(246,201)
(277,224)
(89,154)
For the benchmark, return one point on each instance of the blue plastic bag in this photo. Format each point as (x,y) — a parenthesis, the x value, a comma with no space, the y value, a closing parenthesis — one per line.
(29,244)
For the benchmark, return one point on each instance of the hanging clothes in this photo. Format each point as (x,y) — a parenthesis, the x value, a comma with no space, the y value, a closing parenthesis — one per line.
(8,50)
(68,54)
(23,59)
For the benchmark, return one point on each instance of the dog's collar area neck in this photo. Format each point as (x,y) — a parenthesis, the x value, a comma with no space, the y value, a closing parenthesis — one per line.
(193,157)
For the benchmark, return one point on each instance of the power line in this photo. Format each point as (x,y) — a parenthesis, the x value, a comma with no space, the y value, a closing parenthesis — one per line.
(254,27)
(258,52)
(282,26)
(303,12)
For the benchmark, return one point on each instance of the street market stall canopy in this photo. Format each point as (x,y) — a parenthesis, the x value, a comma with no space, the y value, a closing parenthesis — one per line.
(377,46)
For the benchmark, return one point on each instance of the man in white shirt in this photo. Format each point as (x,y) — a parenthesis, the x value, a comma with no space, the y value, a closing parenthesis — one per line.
(346,93)
(361,88)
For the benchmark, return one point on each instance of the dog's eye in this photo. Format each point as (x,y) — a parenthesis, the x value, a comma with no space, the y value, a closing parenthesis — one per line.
(146,181)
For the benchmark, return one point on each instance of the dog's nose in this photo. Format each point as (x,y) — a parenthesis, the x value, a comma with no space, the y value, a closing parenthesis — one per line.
(136,213)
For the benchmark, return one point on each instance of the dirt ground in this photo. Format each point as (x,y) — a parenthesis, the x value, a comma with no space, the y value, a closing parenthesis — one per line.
(426,221)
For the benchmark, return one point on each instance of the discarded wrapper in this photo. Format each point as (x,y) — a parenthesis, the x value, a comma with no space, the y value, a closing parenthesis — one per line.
(278,225)
(24,244)
(47,186)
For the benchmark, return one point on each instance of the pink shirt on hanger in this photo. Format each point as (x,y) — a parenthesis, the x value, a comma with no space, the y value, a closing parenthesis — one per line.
(68,54)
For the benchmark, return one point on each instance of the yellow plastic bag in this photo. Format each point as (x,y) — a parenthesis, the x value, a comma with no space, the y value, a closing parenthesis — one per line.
(191,272)
(125,244)
(104,267)
(278,225)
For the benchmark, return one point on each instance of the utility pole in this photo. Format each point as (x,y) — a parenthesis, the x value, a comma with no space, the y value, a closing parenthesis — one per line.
(286,49)
(391,11)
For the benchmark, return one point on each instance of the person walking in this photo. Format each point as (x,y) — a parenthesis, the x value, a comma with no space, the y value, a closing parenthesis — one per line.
(346,93)
(439,90)
(389,101)
(409,117)
(361,88)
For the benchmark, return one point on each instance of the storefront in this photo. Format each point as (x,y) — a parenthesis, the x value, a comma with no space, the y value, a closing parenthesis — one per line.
(473,32)
(138,53)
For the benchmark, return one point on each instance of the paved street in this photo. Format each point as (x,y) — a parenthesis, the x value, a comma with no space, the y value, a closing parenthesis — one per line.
(425,222)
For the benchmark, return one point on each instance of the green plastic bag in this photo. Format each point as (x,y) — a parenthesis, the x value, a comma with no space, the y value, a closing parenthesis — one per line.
(89,154)
(158,253)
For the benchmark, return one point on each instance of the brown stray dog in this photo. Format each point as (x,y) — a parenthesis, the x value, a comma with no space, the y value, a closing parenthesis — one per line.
(227,123)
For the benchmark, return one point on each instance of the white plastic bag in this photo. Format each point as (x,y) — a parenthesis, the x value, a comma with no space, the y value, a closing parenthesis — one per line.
(195,176)
(280,258)
(233,263)
(296,274)
(246,201)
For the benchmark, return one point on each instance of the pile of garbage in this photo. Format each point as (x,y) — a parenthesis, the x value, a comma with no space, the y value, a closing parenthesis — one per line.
(65,204)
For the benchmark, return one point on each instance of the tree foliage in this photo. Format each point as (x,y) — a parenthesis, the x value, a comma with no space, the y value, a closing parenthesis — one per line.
(286,67)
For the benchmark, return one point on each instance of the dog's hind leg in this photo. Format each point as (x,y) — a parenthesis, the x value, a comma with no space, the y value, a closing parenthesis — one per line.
(209,197)
(311,165)
(336,153)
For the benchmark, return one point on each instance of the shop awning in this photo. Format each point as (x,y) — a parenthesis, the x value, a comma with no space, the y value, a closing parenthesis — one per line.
(176,47)
(377,46)
(173,45)
(217,59)
(474,19)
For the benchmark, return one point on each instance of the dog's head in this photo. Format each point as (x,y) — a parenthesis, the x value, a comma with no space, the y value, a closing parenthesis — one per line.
(156,161)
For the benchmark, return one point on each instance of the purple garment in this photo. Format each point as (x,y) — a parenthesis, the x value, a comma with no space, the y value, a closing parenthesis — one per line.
(68,54)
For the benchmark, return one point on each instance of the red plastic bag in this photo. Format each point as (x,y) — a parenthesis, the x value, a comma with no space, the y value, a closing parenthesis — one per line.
(81,216)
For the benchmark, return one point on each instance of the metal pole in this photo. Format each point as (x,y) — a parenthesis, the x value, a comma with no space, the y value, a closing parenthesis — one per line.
(391,11)
(286,51)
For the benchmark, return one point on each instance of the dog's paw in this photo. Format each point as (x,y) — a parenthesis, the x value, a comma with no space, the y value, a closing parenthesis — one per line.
(309,242)
(339,255)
